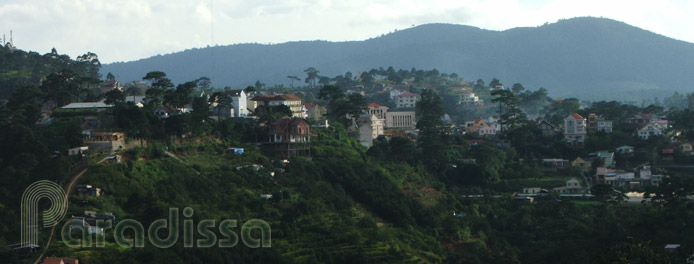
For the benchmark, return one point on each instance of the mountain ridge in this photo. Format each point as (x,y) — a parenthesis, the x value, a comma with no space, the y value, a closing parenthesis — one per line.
(570,57)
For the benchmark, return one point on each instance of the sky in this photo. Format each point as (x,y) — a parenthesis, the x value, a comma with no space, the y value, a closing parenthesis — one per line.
(125,30)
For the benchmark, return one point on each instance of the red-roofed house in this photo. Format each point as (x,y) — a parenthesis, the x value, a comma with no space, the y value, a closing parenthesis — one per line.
(378,110)
(52,260)
(291,137)
(575,129)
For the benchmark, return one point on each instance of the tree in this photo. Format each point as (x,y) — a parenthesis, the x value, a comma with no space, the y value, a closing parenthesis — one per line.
(433,134)
(62,87)
(205,85)
(342,108)
(259,85)
(517,88)
(494,83)
(110,77)
(293,78)
(607,194)
(222,101)
(311,76)
(160,84)
(201,109)
(24,105)
(510,115)
(114,97)
(132,90)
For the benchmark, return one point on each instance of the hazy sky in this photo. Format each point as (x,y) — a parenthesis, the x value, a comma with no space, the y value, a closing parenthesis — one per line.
(123,30)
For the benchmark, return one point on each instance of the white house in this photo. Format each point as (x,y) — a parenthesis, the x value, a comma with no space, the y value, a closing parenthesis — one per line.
(370,127)
(575,129)
(407,100)
(469,98)
(240,102)
(605,126)
(649,130)
(486,130)
(625,149)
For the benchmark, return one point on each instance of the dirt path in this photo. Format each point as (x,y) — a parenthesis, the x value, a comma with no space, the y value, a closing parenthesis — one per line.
(180,160)
(68,191)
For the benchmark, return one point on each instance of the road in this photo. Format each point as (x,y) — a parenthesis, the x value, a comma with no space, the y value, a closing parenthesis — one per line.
(68,191)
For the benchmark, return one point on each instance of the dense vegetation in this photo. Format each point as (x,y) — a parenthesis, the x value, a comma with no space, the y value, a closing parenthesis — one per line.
(400,201)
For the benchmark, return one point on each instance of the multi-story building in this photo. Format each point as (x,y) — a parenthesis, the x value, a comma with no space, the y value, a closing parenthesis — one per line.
(401,120)
(290,137)
(239,102)
(406,100)
(575,129)
(370,127)
(378,110)
(290,100)
(469,98)
(315,111)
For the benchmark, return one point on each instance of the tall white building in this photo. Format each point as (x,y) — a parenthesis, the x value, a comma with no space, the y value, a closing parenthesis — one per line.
(240,102)
(575,129)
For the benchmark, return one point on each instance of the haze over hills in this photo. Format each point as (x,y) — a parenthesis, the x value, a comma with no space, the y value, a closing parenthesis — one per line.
(590,58)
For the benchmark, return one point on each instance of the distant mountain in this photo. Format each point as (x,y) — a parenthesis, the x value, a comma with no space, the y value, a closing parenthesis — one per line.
(586,57)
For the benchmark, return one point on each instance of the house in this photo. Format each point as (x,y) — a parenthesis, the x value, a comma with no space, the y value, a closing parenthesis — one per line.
(394,93)
(290,137)
(667,154)
(406,100)
(532,190)
(685,147)
(77,151)
(266,196)
(290,100)
(86,189)
(625,149)
(378,110)
(546,128)
(575,129)
(671,248)
(597,123)
(165,111)
(370,127)
(605,126)
(475,124)
(54,260)
(486,130)
(110,85)
(606,156)
(98,106)
(572,186)
(469,98)
(239,100)
(639,120)
(315,111)
(105,141)
(553,164)
(584,165)
(648,131)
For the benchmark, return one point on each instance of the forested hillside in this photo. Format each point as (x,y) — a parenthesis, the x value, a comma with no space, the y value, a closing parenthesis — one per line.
(20,68)
(588,58)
